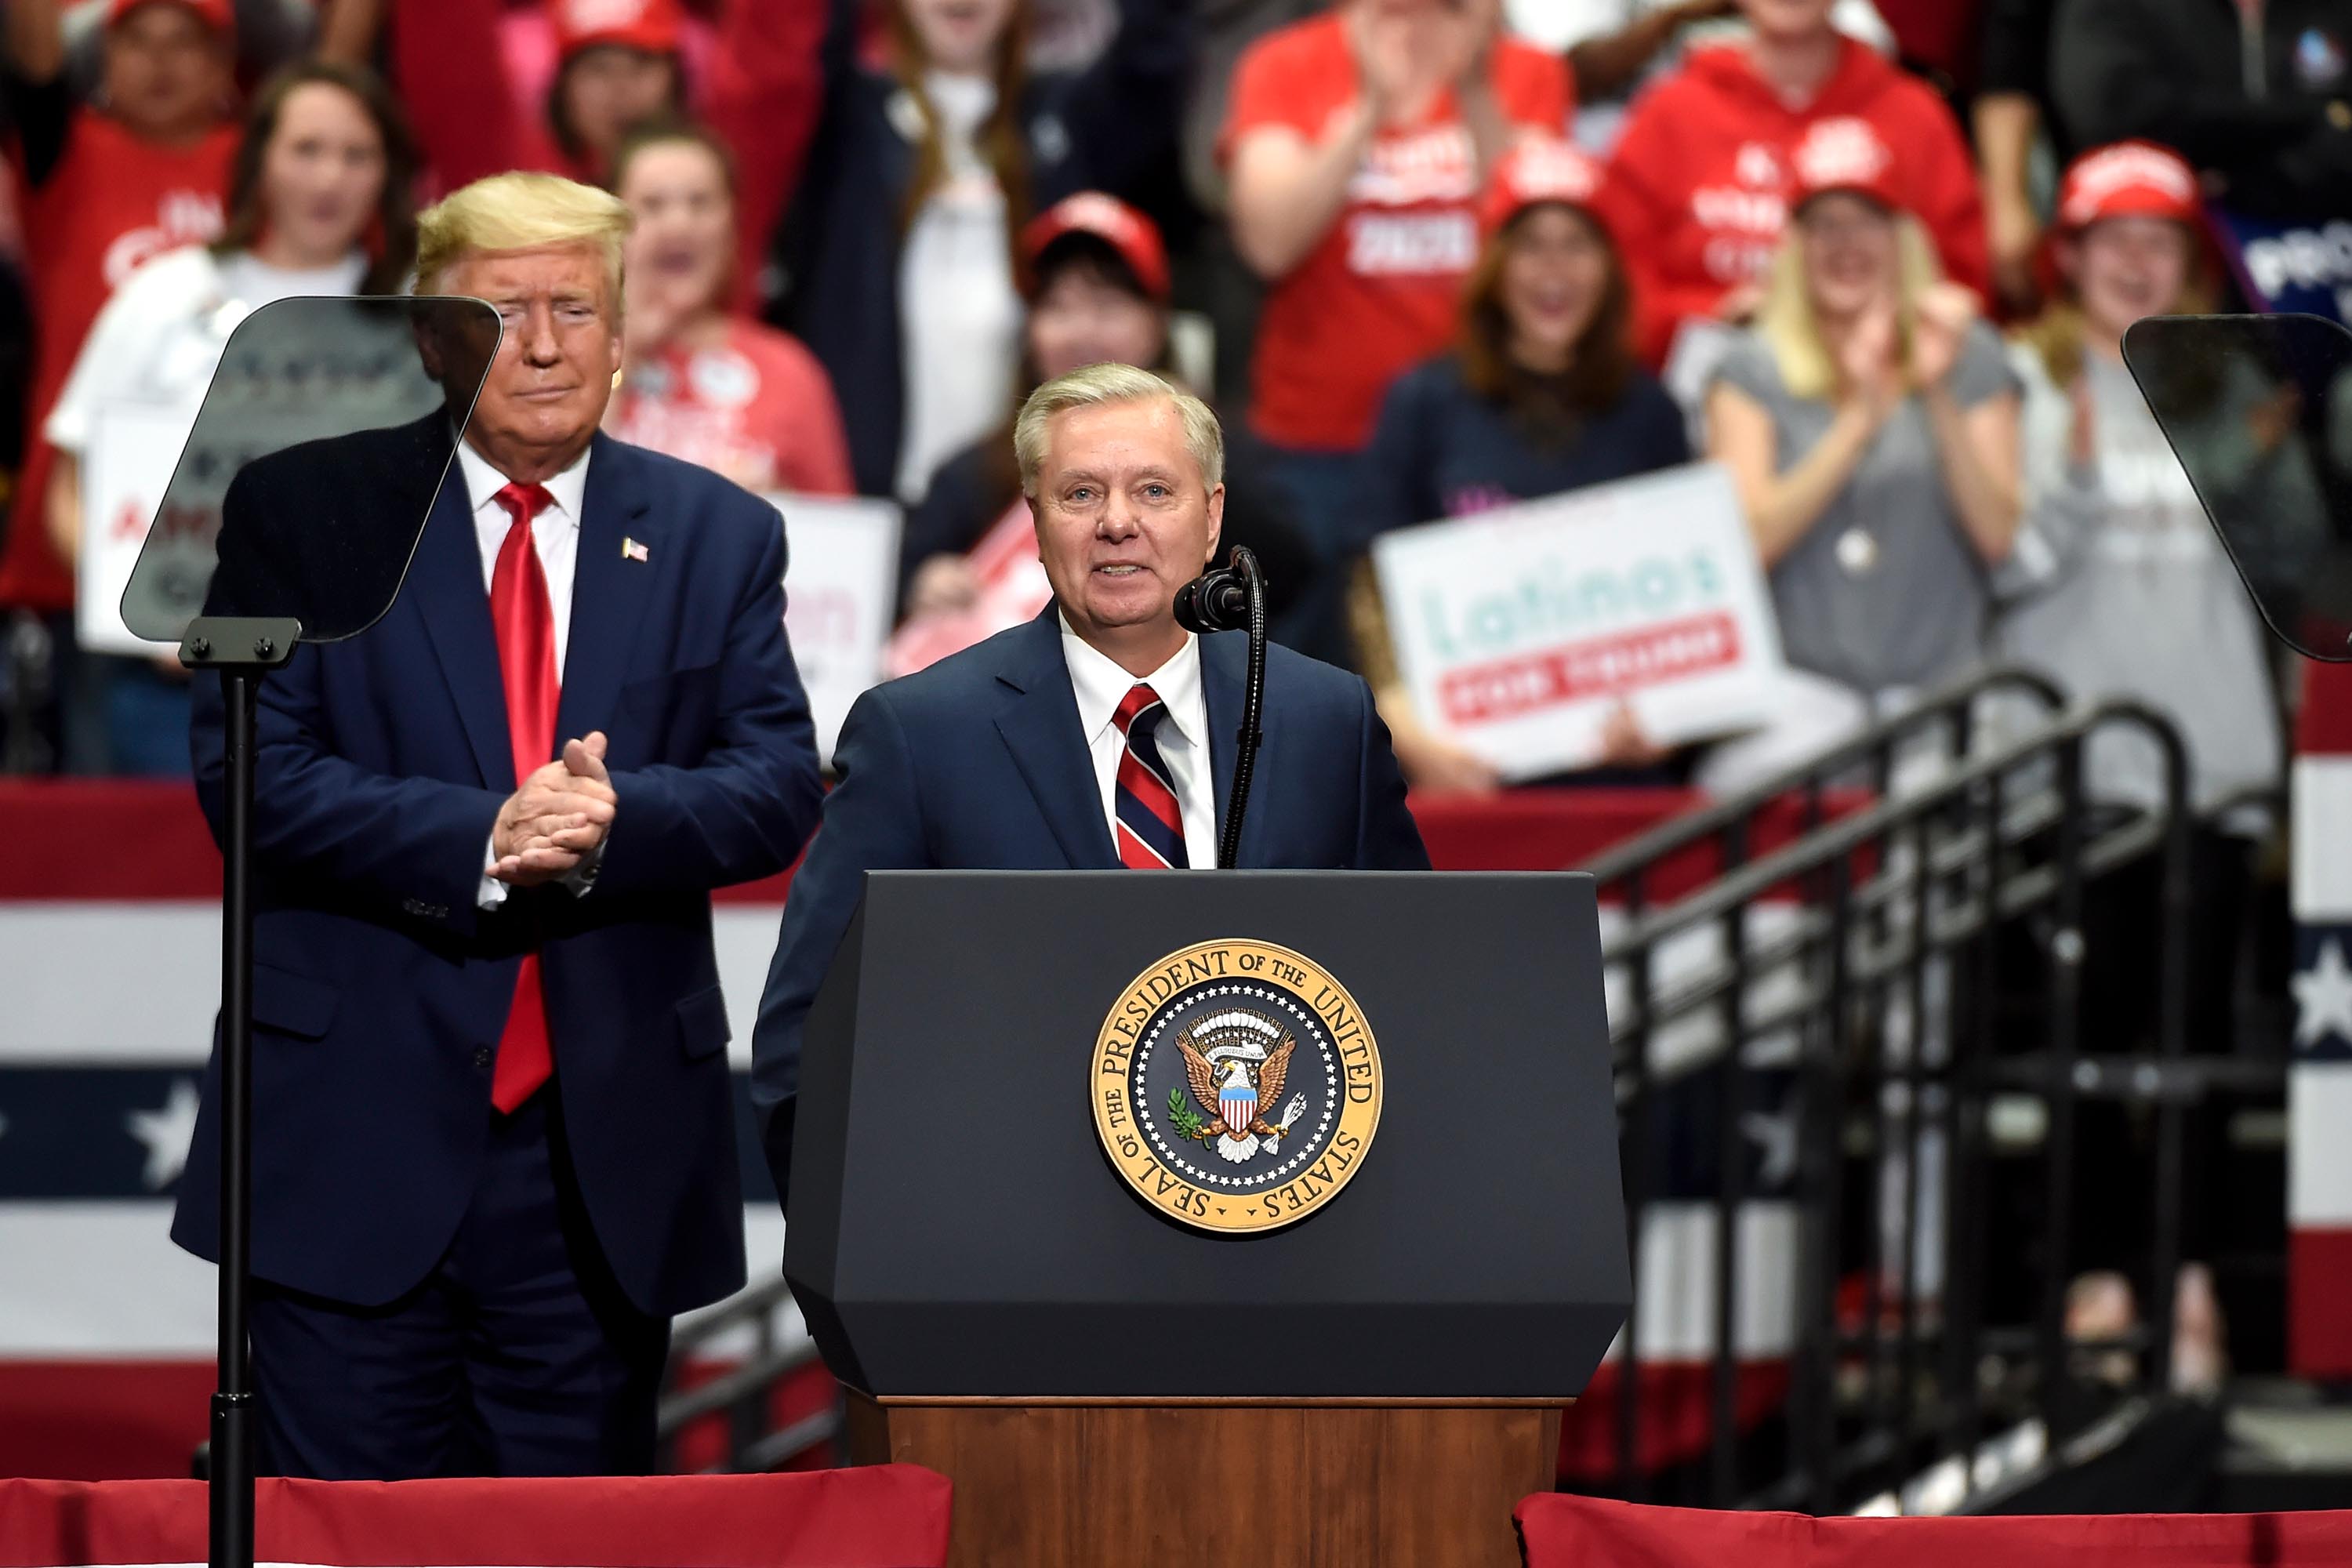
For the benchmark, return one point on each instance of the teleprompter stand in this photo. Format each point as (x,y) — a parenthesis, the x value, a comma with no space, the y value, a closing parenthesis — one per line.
(242,649)
(291,515)
(1377,1381)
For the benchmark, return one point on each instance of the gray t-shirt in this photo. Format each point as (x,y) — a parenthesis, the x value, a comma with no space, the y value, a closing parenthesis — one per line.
(2121,590)
(1885,591)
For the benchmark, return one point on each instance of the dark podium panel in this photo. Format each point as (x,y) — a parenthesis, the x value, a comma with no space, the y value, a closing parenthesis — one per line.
(957,1230)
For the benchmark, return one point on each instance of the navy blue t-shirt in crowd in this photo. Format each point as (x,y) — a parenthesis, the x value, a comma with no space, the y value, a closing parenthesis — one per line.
(1442,450)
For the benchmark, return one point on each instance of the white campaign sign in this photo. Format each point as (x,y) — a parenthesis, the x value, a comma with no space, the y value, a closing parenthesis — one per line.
(841,592)
(1518,631)
(132,449)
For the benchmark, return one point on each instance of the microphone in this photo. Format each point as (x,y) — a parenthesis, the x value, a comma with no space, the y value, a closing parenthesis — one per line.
(1215,601)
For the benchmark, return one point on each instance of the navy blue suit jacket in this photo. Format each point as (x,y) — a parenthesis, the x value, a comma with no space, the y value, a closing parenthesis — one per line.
(978,763)
(380,989)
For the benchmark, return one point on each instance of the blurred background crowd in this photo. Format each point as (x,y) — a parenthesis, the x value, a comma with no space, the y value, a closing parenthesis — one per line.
(1428,256)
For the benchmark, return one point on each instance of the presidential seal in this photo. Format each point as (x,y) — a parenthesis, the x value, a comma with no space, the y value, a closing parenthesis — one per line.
(1236,1085)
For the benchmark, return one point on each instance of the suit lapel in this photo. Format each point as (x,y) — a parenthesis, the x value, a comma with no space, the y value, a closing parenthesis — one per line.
(1040,727)
(609,591)
(444,583)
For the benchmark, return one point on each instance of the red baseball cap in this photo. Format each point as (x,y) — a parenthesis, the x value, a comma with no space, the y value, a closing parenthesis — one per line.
(1134,236)
(1847,153)
(2129,179)
(1537,172)
(214,14)
(654,26)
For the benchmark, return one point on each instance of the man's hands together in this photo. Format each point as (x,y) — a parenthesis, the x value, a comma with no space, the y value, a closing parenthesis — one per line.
(557,819)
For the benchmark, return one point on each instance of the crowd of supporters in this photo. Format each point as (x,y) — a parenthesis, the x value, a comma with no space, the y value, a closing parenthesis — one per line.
(1430,257)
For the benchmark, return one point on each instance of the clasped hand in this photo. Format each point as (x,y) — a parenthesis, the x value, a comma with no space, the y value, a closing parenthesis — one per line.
(557,819)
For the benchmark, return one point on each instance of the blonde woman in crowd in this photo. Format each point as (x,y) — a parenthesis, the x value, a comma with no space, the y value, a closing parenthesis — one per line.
(1870,424)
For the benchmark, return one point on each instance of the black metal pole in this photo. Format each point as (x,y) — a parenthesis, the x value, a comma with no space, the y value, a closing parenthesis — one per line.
(2063,1047)
(2172,1044)
(1731,1187)
(1968,1185)
(233,1411)
(1915,1080)
(1636,1151)
(1820,1170)
(1229,845)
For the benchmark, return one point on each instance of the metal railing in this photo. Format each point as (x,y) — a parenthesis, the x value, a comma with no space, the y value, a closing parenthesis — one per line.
(1875,997)
(773,1348)
(1866,760)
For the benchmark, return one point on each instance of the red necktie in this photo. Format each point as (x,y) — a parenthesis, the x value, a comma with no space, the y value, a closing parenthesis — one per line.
(526,628)
(1150,827)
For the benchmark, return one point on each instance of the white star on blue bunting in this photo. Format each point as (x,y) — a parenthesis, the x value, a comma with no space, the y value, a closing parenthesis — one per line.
(166,1133)
(1776,1137)
(2323,994)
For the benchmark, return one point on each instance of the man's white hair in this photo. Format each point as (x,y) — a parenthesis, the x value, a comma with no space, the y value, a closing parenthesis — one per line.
(1099,384)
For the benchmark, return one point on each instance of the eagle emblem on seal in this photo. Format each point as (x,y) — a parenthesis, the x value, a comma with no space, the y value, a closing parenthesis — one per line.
(1236,1063)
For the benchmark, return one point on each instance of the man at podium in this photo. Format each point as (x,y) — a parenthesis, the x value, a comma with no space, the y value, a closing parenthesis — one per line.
(1099,735)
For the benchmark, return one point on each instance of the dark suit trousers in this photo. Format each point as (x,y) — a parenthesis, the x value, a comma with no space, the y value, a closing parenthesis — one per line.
(517,1356)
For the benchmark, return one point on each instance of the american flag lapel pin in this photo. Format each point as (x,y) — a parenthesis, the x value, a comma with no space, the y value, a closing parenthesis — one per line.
(633,551)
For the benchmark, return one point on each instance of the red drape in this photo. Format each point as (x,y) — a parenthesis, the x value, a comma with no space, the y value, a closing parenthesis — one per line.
(884,1516)
(1563,1532)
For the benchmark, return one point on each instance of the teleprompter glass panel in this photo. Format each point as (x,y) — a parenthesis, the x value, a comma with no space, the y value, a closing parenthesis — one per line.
(2259,410)
(307,477)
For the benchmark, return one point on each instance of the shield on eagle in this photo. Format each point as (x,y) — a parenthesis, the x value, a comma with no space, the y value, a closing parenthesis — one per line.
(1236,1096)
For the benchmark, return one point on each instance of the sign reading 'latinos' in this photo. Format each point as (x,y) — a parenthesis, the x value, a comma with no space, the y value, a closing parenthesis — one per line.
(1236,1086)
(1517,631)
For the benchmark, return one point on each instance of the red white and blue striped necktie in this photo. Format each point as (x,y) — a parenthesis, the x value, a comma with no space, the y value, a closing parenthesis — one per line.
(1150,823)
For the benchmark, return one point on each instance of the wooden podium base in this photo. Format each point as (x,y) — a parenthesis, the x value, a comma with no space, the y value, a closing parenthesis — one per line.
(1346,1484)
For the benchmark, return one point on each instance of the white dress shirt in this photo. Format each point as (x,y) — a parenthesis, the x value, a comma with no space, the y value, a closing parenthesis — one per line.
(555,532)
(1100,686)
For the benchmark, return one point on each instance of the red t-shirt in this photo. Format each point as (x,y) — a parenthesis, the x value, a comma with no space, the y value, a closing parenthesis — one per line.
(111,203)
(1381,290)
(756,407)
(1700,182)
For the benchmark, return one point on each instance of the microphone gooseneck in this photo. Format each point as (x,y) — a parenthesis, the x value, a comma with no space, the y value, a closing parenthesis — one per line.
(1232,598)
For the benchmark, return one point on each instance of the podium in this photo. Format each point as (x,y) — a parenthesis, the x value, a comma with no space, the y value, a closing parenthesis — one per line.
(1178,1214)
